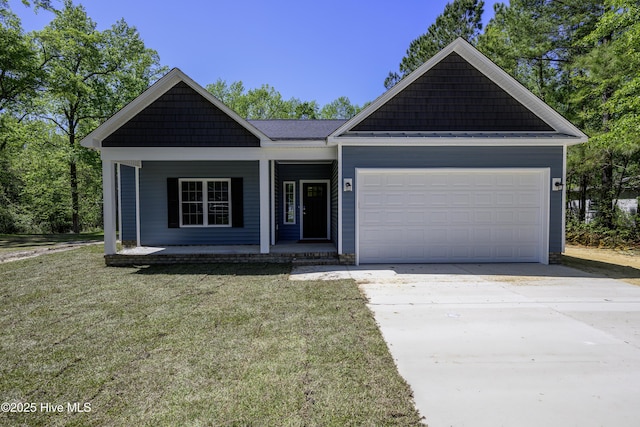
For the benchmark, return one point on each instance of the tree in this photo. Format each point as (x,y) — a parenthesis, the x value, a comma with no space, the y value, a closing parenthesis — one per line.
(267,103)
(20,70)
(340,108)
(607,87)
(231,95)
(461,18)
(89,76)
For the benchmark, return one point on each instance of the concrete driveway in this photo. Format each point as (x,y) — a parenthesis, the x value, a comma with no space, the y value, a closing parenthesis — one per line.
(508,344)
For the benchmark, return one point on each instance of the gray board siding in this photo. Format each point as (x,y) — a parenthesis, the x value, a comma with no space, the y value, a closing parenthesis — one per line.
(181,117)
(450,157)
(297,172)
(128,199)
(452,96)
(153,204)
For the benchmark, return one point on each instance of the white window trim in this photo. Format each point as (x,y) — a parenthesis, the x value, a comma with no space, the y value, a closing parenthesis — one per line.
(284,202)
(205,202)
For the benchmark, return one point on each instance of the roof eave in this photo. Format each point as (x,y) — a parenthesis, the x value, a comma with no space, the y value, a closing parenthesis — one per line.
(454,141)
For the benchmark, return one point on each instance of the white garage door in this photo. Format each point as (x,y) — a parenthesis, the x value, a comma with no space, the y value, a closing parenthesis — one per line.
(452,215)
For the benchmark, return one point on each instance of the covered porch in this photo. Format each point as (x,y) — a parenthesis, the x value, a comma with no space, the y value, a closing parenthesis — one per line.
(284,252)
(135,211)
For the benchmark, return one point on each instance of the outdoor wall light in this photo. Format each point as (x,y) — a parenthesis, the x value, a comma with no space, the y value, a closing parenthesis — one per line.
(556,184)
(347,184)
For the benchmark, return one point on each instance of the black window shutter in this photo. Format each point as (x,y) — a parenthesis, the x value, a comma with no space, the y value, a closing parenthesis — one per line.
(237,203)
(173,203)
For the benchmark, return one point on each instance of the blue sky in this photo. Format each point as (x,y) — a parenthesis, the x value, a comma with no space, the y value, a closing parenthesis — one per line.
(311,50)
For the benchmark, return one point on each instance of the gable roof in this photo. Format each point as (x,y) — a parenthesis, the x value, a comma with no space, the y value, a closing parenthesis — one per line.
(297,130)
(175,85)
(456,96)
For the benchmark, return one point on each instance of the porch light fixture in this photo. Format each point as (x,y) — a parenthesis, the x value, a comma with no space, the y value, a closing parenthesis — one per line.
(556,184)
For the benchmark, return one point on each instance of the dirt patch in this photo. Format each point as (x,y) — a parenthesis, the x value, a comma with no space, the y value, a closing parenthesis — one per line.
(614,263)
(16,256)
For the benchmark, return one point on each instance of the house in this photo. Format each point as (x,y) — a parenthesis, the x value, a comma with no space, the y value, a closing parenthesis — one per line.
(456,163)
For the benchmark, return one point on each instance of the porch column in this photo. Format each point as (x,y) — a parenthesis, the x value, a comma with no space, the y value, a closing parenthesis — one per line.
(137,178)
(109,206)
(264,206)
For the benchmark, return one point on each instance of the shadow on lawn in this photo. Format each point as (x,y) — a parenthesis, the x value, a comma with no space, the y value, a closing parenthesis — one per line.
(23,241)
(222,269)
(602,269)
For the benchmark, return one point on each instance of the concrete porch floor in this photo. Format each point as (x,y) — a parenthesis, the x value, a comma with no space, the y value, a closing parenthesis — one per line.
(284,247)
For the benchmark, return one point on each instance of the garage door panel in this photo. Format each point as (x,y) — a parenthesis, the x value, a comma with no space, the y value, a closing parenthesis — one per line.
(462,200)
(414,217)
(433,218)
(484,217)
(437,199)
(416,199)
(395,199)
(451,216)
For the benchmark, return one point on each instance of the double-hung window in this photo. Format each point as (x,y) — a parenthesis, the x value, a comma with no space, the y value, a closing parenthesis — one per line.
(205,202)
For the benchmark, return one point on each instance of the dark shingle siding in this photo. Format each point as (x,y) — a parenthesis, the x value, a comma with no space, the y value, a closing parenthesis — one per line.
(181,118)
(453,96)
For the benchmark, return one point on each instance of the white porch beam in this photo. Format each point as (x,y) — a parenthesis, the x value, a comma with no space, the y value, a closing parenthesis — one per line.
(109,206)
(132,154)
(264,206)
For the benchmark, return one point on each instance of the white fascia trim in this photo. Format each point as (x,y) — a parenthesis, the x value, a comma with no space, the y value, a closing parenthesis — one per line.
(489,69)
(295,143)
(217,154)
(435,142)
(155,91)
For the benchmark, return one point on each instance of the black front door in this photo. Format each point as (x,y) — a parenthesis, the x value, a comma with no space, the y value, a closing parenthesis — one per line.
(314,210)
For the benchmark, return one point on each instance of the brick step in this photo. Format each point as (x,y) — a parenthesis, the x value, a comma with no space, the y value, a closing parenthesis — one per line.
(296,259)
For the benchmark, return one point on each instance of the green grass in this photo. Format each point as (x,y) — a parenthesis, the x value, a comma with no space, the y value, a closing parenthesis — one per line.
(191,345)
(23,242)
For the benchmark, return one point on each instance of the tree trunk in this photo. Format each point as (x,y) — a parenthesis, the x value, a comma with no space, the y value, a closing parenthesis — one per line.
(582,205)
(606,207)
(606,199)
(75,199)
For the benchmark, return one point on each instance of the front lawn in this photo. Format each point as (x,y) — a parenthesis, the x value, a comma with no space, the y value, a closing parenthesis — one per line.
(22,242)
(190,345)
